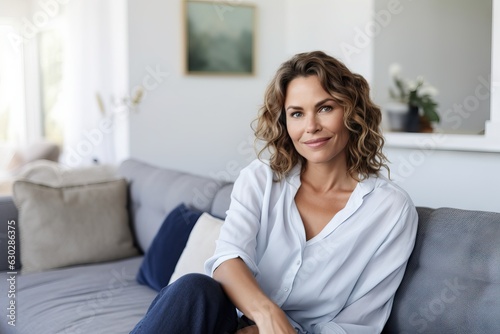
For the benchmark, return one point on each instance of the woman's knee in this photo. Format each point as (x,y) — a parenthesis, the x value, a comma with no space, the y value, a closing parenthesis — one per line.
(195,278)
(199,286)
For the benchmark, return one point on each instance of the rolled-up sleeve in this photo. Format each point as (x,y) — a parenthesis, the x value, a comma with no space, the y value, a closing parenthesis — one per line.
(238,236)
(370,303)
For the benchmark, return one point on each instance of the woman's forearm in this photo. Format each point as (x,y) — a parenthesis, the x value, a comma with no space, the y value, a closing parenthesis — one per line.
(243,290)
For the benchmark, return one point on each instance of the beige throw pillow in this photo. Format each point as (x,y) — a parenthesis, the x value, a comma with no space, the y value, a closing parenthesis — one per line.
(53,174)
(69,225)
(199,247)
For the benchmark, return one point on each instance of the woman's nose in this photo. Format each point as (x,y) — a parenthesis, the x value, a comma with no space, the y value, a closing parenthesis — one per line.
(312,125)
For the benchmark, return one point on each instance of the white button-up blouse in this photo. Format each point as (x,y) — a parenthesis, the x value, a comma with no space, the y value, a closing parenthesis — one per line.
(344,279)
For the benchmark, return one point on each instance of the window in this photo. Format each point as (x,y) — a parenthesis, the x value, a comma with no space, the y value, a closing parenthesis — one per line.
(50,54)
(12,109)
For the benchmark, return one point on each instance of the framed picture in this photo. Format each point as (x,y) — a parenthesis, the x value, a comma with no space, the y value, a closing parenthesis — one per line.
(219,38)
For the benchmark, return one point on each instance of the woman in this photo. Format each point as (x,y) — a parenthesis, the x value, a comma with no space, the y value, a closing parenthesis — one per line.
(315,239)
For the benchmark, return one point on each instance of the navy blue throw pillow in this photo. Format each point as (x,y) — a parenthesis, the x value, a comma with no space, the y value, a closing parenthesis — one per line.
(161,258)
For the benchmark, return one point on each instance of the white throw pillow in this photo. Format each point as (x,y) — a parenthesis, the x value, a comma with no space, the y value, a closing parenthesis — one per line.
(199,248)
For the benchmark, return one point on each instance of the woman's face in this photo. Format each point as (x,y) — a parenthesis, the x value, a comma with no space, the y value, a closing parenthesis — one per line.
(314,121)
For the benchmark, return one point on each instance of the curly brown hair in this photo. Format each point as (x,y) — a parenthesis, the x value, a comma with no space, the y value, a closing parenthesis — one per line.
(351,91)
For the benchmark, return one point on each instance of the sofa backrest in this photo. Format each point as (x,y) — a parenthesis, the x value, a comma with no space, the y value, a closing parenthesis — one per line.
(452,281)
(154,192)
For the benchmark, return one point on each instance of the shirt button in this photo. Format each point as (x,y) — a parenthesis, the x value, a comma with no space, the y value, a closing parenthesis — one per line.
(298,262)
(286,289)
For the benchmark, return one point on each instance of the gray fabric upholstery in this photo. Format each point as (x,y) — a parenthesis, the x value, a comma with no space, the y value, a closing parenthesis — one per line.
(154,192)
(221,201)
(8,211)
(452,282)
(102,298)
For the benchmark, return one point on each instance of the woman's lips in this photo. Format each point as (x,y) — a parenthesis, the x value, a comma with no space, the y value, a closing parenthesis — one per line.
(317,142)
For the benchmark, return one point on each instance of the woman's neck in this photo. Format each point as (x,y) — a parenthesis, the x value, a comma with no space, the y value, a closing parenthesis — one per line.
(325,177)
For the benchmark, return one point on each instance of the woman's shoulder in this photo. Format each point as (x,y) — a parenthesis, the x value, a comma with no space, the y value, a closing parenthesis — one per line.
(257,178)
(390,190)
(257,167)
(258,171)
(390,200)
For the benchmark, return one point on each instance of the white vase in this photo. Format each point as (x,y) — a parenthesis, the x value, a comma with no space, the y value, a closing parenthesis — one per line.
(396,113)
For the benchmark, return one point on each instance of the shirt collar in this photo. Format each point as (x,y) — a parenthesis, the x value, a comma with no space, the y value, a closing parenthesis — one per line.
(367,185)
(293,176)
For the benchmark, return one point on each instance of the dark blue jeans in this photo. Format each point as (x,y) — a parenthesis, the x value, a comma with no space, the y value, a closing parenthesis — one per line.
(194,304)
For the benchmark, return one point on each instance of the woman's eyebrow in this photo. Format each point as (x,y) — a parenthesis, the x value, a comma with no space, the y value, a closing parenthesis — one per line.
(328,99)
(293,107)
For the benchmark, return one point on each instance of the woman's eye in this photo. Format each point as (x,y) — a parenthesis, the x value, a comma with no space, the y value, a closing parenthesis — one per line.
(326,109)
(296,114)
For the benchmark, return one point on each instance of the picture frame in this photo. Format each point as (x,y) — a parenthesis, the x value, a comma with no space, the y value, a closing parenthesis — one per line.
(219,38)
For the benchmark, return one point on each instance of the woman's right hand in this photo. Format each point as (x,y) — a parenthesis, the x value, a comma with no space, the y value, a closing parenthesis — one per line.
(273,321)
(245,293)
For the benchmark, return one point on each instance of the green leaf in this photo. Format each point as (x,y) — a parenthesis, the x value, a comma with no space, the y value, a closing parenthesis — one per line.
(429,109)
(401,88)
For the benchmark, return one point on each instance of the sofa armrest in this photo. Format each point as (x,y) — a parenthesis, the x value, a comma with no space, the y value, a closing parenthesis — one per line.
(8,212)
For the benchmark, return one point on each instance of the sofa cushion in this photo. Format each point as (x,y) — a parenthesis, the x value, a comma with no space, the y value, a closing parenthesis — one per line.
(161,258)
(69,225)
(452,281)
(101,298)
(200,246)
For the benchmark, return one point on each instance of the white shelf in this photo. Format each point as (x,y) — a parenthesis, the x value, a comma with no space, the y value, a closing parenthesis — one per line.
(442,141)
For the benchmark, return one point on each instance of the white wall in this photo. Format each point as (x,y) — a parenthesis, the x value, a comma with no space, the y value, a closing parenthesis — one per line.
(433,178)
(196,123)
(14,9)
(201,124)
(332,26)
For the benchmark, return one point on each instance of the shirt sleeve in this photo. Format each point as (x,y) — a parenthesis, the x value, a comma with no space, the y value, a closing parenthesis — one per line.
(238,236)
(370,303)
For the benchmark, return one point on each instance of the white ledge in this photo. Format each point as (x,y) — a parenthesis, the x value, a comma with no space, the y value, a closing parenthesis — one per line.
(442,141)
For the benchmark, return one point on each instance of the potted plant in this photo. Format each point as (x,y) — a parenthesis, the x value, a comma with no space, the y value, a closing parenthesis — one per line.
(418,95)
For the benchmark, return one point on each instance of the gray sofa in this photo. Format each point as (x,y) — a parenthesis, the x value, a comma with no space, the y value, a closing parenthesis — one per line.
(452,283)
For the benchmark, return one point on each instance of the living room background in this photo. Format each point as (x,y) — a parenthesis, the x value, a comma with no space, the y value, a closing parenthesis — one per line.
(201,124)
(204,121)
